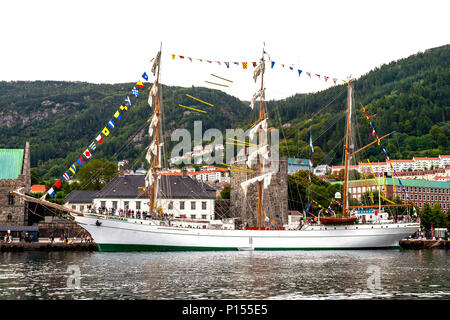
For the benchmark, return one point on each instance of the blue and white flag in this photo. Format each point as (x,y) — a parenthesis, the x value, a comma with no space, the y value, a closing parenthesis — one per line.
(145,76)
(127,100)
(111,124)
(51,192)
(310,141)
(135,91)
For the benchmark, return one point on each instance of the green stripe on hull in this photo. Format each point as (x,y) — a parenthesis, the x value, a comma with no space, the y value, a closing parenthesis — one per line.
(141,247)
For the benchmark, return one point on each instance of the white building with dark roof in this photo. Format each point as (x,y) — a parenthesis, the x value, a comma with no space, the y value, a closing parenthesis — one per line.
(178,195)
(80,200)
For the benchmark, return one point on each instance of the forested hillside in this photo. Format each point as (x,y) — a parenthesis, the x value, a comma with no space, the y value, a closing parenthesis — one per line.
(60,119)
(410,97)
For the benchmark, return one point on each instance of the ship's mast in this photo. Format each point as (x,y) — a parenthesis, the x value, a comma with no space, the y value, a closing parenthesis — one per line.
(347,149)
(156,157)
(262,116)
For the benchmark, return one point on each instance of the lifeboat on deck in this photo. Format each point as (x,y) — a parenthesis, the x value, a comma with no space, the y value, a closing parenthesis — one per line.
(337,219)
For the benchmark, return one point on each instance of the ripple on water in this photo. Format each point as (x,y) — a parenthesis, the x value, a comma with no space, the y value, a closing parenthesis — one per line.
(226,275)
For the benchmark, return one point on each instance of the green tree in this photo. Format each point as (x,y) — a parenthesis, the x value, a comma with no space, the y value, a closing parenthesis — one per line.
(34,177)
(225,193)
(96,174)
(433,216)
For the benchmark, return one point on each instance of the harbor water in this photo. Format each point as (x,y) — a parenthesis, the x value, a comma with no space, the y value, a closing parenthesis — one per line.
(364,274)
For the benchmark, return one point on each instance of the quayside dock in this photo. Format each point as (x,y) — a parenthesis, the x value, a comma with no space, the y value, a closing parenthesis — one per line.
(424,244)
(47,246)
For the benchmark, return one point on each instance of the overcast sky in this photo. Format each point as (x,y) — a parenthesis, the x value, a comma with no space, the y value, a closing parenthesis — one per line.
(113,41)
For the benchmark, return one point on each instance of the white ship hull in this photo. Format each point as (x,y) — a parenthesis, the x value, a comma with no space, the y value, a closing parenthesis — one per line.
(116,234)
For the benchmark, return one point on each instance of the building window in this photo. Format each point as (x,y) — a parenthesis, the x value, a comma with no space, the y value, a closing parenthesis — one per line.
(74,207)
(192,205)
(204,215)
(181,205)
(10,199)
(114,204)
(81,208)
(103,204)
(171,205)
(193,216)
(203,205)
(138,205)
(428,198)
(420,197)
(126,205)
(9,217)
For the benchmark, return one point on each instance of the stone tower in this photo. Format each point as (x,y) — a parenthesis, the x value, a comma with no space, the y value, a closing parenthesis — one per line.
(275,197)
(14,174)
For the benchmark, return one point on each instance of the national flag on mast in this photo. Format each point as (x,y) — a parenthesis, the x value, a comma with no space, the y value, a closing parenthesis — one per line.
(310,141)
(299,72)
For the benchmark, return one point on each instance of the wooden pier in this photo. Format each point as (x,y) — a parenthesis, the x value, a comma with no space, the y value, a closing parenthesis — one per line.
(424,244)
(47,246)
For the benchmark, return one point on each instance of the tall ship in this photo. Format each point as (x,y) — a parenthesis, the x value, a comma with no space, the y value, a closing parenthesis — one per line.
(344,231)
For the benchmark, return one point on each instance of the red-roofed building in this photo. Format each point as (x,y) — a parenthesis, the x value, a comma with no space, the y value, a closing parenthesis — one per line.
(38,188)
